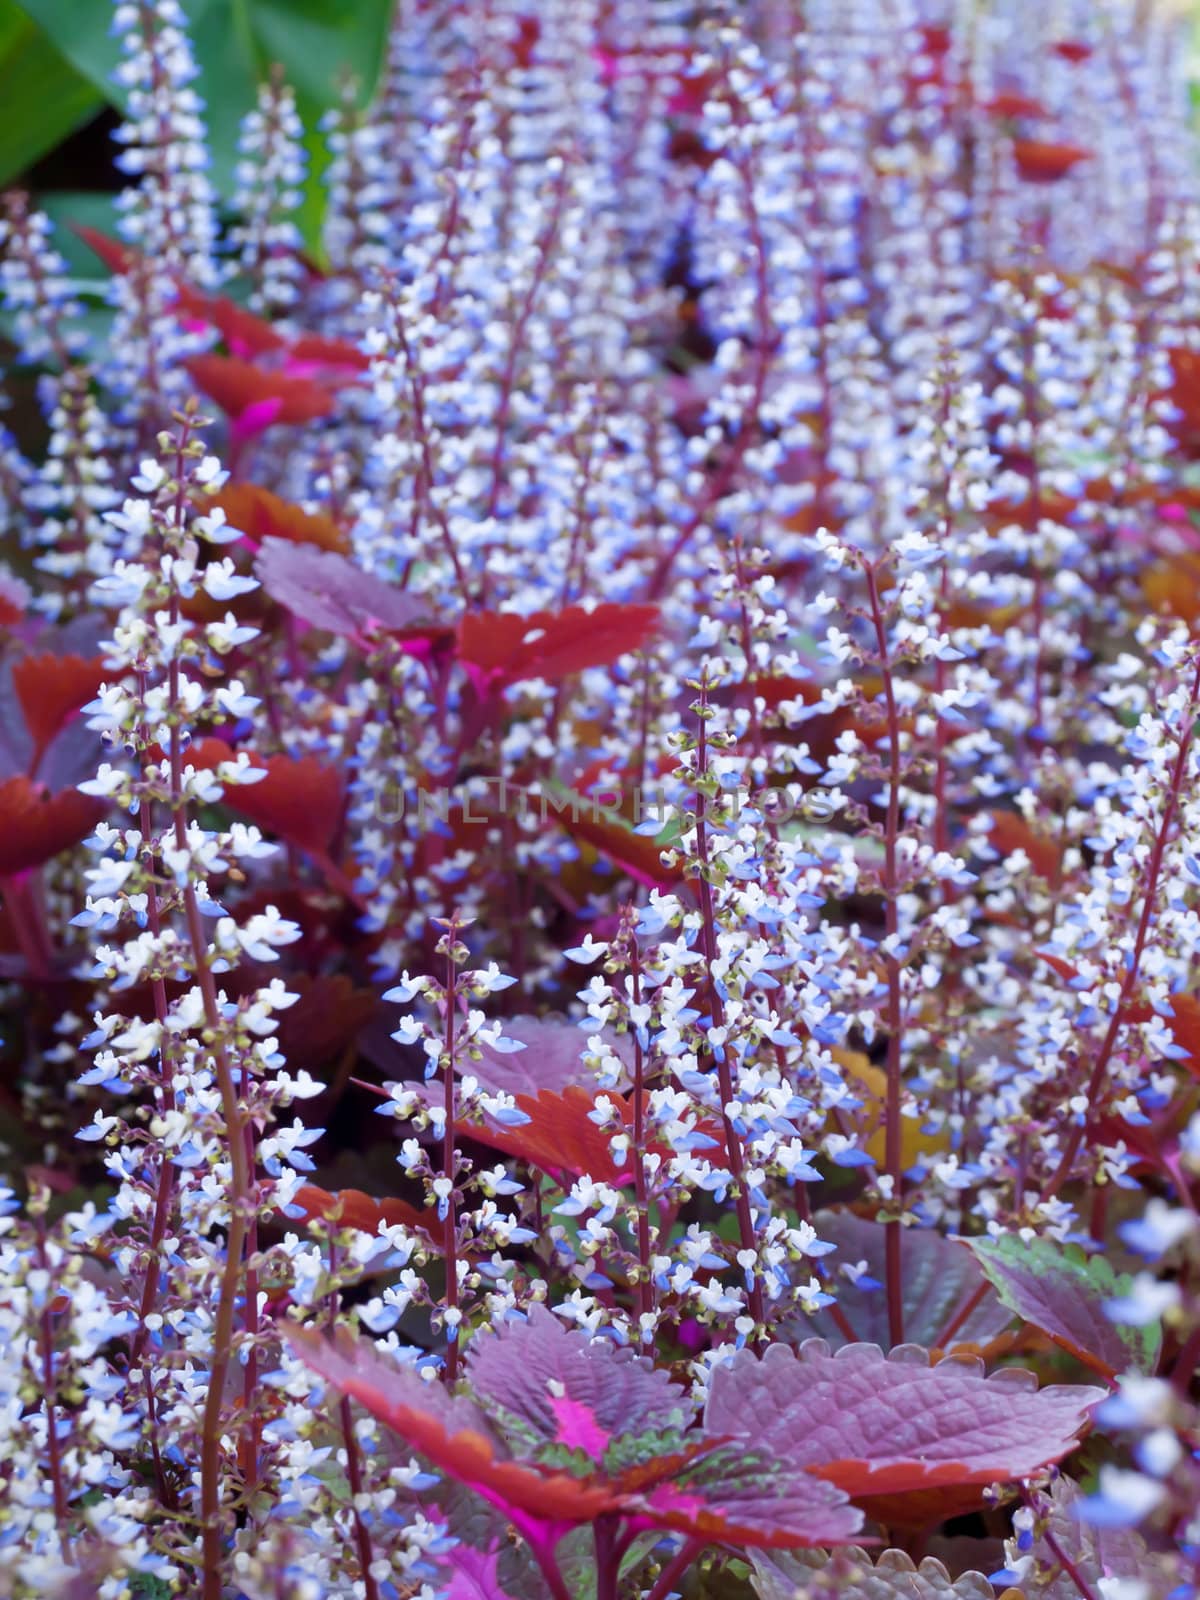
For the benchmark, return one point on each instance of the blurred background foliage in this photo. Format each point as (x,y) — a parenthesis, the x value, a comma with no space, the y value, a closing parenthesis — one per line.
(59,101)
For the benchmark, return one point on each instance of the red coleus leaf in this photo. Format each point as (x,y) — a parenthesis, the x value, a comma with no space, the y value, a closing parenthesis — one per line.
(245,334)
(351,1208)
(301,798)
(889,1429)
(258,396)
(14,597)
(501,648)
(36,824)
(610,833)
(1012,103)
(939,1279)
(559,1387)
(242,331)
(1010,833)
(1059,1290)
(328,591)
(325,1021)
(559,1136)
(1184,394)
(1039,161)
(260,515)
(117,257)
(452,1432)
(51,688)
(555,1393)
(313,349)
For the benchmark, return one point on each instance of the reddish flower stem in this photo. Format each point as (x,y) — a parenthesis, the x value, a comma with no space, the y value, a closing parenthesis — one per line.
(1133,968)
(733,1143)
(665,1583)
(645,1286)
(50,1388)
(449,1156)
(959,1319)
(1060,1555)
(362,1534)
(893,1148)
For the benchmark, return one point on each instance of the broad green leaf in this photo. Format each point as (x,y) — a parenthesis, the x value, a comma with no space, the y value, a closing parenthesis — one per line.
(81,34)
(319,43)
(43,96)
(87,208)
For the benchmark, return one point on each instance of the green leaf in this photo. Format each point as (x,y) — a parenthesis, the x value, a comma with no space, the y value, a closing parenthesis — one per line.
(81,34)
(89,209)
(43,96)
(319,43)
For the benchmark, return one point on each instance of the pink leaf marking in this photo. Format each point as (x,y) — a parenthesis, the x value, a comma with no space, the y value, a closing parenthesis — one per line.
(578,1428)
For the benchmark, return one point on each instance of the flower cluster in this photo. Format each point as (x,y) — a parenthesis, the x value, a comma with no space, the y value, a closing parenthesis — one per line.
(690,591)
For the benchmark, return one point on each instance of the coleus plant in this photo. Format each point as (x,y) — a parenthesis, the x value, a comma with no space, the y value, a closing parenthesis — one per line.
(686,584)
(560,1431)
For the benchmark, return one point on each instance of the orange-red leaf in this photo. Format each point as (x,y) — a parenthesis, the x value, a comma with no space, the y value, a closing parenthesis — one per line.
(318,351)
(451,1432)
(236,386)
(1012,103)
(36,825)
(559,1136)
(1040,161)
(51,688)
(504,648)
(300,798)
(260,515)
(244,333)
(1010,833)
(352,1208)
(117,257)
(14,597)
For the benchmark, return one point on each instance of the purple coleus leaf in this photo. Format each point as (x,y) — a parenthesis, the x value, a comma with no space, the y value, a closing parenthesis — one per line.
(852,1575)
(1063,1292)
(742,1494)
(940,1279)
(890,1429)
(552,1058)
(328,591)
(553,1386)
(480,1561)
(554,1389)
(536,1461)
(452,1432)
